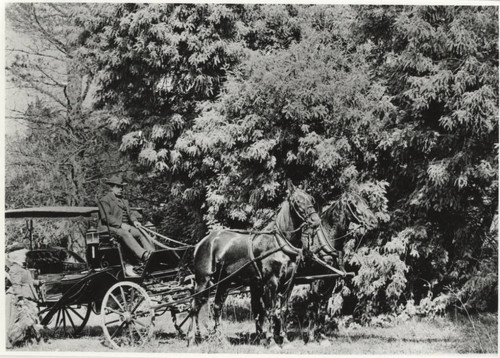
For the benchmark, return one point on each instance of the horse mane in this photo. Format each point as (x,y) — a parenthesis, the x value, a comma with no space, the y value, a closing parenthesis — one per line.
(270,228)
(282,217)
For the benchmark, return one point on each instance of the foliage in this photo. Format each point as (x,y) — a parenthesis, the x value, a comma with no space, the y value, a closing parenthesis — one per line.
(438,152)
(273,123)
(218,105)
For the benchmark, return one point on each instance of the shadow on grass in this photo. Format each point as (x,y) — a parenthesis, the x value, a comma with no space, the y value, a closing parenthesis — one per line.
(386,339)
(244,338)
(252,338)
(168,336)
(89,331)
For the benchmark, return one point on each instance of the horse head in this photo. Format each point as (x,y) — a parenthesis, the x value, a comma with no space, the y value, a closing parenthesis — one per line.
(304,207)
(348,209)
(297,216)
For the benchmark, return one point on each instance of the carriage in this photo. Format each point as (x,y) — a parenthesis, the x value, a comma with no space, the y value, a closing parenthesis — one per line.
(73,287)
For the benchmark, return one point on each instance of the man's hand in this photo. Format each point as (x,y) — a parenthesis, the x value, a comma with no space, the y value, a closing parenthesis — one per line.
(137,224)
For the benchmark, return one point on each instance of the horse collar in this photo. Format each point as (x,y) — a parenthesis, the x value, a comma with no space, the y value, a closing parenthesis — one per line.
(285,245)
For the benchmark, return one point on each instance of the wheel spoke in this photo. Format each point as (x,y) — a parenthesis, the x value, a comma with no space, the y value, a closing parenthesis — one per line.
(139,332)
(71,320)
(64,319)
(124,299)
(114,311)
(111,322)
(75,312)
(118,303)
(140,323)
(118,329)
(137,305)
(57,319)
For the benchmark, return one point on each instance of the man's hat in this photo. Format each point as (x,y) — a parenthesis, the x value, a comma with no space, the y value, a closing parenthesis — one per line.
(115,180)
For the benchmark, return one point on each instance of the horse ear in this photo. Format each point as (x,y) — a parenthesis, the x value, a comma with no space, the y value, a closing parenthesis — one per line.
(305,187)
(289,186)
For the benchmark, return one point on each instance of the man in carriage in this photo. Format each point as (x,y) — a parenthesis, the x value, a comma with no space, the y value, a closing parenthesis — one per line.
(115,214)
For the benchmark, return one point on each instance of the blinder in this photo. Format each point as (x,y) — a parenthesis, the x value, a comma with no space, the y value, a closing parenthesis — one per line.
(305,215)
(309,211)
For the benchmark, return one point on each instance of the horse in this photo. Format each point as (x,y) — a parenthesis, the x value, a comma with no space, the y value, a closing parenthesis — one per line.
(332,234)
(265,261)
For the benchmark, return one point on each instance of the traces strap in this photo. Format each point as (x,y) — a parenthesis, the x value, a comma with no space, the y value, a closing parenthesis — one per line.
(252,256)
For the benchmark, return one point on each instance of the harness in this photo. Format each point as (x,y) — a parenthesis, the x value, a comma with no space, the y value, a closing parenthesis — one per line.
(252,256)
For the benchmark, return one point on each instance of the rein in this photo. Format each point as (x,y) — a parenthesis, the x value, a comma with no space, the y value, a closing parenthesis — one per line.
(330,267)
(283,244)
(261,257)
(163,246)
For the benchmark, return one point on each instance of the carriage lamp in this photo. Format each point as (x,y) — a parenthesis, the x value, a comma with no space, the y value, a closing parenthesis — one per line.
(34,273)
(91,236)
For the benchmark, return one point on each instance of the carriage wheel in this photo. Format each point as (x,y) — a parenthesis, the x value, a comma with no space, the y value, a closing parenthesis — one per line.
(127,315)
(70,320)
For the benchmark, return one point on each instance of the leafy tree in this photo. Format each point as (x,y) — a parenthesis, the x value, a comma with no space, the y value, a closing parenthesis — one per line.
(283,115)
(156,63)
(217,105)
(439,152)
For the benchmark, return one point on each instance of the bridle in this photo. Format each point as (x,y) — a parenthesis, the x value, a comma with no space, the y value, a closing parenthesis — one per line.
(308,211)
(304,215)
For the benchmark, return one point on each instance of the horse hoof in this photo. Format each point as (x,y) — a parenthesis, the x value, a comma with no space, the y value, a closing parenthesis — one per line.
(325,343)
(287,344)
(216,336)
(274,347)
(193,340)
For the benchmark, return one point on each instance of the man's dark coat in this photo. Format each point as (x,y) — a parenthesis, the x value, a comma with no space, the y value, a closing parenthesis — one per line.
(113,208)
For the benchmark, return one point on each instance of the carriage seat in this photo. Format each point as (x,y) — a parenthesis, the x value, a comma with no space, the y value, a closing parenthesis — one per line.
(106,238)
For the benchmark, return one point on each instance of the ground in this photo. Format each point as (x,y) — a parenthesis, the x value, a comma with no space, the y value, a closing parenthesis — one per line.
(453,334)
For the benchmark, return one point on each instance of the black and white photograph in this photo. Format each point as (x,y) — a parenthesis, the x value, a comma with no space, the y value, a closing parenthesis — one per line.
(250,178)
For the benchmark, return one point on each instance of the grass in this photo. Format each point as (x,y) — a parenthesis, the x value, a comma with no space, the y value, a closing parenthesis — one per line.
(461,334)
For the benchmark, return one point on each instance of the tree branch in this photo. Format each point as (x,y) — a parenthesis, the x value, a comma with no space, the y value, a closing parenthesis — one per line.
(85,91)
(57,83)
(35,53)
(32,84)
(58,44)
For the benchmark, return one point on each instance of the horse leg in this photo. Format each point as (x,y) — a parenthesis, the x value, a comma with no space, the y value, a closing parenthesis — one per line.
(257,308)
(280,329)
(198,302)
(322,323)
(220,298)
(273,311)
(312,312)
(313,318)
(320,333)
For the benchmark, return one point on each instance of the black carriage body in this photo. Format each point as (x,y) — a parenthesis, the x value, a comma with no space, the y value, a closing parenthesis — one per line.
(58,269)
(68,280)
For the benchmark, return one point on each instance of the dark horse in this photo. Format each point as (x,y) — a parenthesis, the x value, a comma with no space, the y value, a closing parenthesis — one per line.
(264,261)
(333,233)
